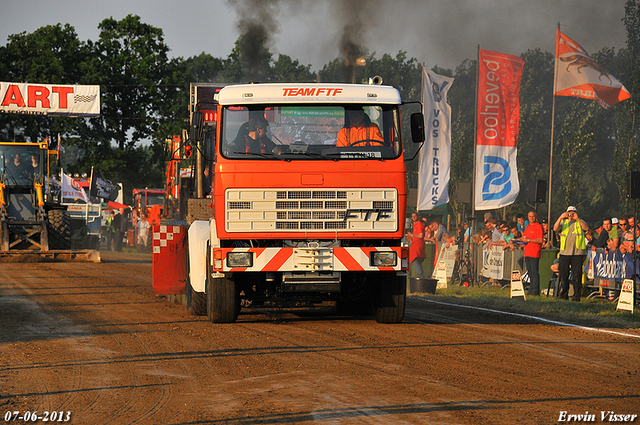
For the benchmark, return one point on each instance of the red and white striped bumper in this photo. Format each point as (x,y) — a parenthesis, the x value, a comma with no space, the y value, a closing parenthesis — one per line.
(338,259)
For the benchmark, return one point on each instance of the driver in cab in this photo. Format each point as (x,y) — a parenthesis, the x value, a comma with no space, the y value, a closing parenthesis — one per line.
(359,130)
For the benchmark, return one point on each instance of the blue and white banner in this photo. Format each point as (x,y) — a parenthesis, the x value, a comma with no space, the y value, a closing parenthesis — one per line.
(612,265)
(435,157)
(497,182)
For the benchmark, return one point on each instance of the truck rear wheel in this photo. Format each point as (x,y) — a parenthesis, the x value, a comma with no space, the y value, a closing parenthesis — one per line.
(59,229)
(223,300)
(391,299)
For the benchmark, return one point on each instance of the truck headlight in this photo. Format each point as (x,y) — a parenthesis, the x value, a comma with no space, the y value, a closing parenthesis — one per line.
(384,258)
(239,259)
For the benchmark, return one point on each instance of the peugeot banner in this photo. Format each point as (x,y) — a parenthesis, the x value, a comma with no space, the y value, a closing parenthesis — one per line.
(498,115)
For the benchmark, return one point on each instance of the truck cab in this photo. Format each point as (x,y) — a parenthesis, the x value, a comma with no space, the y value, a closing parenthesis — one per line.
(309,198)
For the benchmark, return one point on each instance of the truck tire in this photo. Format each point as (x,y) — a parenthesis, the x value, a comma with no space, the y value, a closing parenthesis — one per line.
(59,229)
(391,299)
(4,236)
(94,242)
(196,302)
(223,300)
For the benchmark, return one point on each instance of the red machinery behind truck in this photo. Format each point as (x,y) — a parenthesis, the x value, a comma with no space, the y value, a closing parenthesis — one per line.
(149,201)
(301,220)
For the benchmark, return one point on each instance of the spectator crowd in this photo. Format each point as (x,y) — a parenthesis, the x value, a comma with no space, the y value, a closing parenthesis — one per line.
(570,234)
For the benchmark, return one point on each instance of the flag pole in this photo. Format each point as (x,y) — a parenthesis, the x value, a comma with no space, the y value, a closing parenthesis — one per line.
(90,182)
(475,140)
(420,158)
(553,116)
(473,174)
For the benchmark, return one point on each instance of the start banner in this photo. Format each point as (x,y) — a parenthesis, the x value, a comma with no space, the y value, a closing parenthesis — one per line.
(49,99)
(498,119)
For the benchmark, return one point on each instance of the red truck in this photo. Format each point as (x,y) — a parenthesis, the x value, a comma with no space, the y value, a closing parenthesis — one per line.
(305,220)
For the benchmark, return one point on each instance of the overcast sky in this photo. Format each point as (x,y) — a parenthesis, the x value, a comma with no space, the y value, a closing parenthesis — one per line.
(436,32)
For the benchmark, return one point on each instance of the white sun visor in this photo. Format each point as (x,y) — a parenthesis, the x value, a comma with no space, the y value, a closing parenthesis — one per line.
(307,93)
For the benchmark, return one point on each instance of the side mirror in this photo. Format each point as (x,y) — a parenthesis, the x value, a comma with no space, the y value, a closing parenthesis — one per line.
(197,127)
(417,128)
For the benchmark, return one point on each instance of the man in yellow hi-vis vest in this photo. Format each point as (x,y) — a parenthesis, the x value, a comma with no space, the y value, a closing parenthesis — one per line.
(573,251)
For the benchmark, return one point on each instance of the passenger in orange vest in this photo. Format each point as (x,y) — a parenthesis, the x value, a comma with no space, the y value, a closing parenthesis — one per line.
(359,130)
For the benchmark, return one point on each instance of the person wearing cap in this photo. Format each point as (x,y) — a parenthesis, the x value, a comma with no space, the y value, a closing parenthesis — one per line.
(573,251)
(601,235)
(613,233)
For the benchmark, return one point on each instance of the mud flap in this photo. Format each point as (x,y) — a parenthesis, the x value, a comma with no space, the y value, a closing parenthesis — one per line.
(198,238)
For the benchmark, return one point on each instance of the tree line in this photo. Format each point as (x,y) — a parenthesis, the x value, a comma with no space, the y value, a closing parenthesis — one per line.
(145,97)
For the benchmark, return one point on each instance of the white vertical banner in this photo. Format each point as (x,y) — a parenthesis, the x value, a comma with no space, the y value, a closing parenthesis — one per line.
(435,157)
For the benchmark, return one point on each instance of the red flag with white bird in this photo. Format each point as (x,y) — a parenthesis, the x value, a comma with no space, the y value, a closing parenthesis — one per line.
(580,76)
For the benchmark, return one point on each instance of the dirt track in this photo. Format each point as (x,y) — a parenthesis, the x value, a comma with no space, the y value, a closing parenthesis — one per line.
(92,339)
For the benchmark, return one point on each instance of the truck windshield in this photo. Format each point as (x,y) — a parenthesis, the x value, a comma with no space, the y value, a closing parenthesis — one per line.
(155,199)
(311,132)
(20,165)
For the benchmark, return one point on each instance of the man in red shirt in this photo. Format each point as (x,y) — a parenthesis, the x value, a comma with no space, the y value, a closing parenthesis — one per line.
(533,237)
(416,251)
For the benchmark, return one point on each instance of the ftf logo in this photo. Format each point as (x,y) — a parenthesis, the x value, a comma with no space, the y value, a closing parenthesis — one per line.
(497,178)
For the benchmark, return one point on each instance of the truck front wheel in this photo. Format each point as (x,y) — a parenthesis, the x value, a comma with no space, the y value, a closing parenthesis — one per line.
(391,299)
(223,300)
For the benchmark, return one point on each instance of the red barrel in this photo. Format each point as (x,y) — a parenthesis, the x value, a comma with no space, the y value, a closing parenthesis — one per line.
(169,259)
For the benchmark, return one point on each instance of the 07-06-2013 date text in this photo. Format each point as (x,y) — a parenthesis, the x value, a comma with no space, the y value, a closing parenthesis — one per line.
(54,416)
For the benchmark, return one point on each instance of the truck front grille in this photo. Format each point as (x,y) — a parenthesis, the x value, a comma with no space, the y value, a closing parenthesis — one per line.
(278,210)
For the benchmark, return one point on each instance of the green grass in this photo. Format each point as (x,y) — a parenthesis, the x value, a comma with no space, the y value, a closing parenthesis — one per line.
(596,312)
